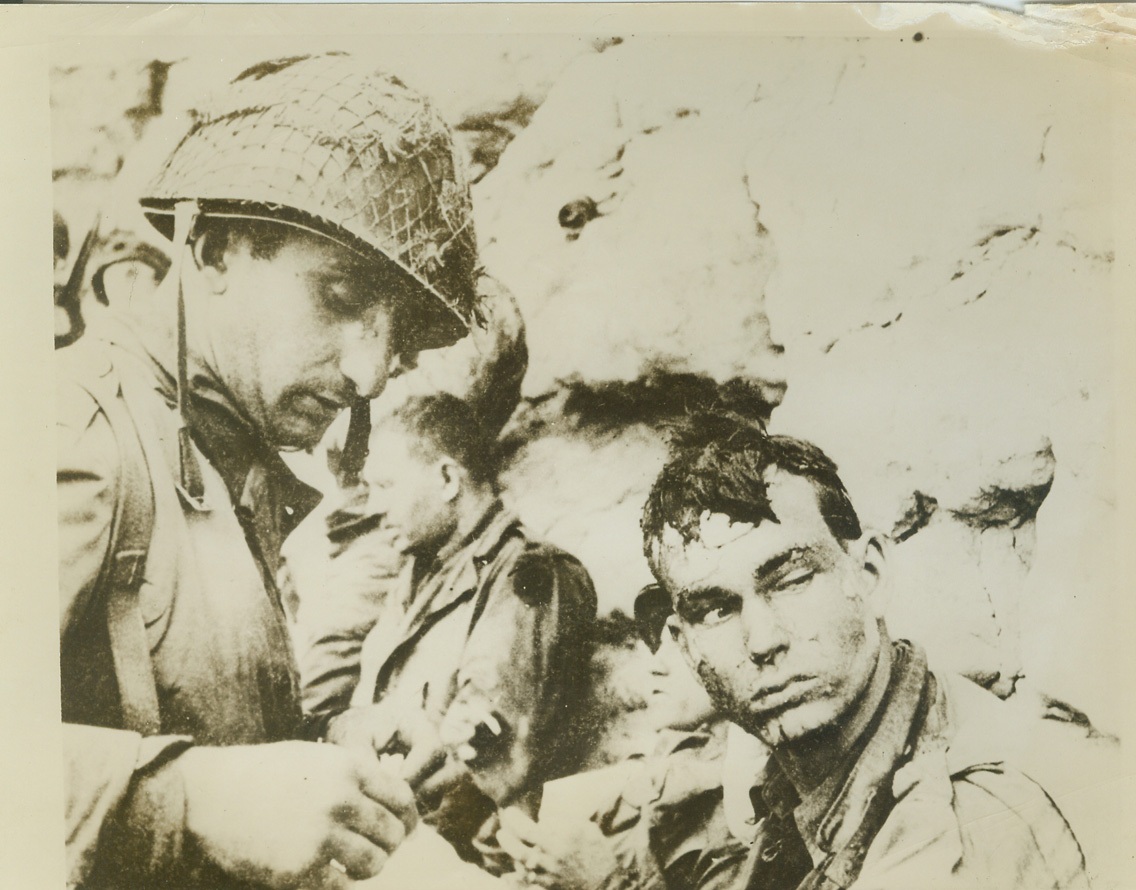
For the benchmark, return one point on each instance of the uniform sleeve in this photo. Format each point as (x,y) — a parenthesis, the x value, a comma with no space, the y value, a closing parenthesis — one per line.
(1013,830)
(113,777)
(526,661)
(341,601)
(86,480)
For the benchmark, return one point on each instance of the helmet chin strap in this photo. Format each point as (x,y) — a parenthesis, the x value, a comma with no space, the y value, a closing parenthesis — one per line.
(356,444)
(191,485)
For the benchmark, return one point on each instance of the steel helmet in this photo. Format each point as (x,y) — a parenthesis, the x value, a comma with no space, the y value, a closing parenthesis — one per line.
(335,147)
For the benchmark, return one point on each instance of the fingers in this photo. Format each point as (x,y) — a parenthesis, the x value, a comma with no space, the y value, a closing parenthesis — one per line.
(422,762)
(329,879)
(522,838)
(542,879)
(375,823)
(355,858)
(538,871)
(481,716)
(521,825)
(389,791)
(462,720)
(450,773)
(365,729)
(514,846)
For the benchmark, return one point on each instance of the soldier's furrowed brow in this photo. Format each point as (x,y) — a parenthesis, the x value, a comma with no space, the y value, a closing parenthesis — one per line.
(774,563)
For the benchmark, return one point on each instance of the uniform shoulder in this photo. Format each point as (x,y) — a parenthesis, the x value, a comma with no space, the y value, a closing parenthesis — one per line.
(80,370)
(1006,815)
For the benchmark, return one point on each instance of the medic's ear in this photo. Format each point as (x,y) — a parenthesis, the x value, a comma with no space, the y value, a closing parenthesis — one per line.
(209,248)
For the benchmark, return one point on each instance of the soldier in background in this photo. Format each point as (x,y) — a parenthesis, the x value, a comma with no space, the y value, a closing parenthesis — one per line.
(657,821)
(476,657)
(321,235)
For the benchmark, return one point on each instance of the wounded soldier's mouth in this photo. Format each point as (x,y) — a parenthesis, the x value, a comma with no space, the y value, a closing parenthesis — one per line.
(783,695)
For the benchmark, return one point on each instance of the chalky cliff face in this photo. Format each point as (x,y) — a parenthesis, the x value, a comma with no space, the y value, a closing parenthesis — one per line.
(918,279)
(899,248)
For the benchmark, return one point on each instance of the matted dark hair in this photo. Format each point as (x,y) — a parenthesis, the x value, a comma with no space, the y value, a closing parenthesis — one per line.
(719,464)
(447,425)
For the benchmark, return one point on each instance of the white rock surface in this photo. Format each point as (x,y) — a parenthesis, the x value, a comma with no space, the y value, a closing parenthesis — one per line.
(671,272)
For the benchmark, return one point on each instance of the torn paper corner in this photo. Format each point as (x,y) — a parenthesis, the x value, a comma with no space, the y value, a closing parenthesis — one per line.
(1043,24)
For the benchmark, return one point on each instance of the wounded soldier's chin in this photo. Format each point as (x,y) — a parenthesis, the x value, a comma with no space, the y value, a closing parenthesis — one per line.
(788,725)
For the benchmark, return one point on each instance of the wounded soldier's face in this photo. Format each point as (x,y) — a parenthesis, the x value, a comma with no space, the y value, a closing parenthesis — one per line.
(779,620)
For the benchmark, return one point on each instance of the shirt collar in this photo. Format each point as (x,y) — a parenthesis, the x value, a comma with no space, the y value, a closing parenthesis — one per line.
(819,812)
(479,543)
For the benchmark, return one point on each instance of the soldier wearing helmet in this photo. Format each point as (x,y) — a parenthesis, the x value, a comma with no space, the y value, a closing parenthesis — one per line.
(321,234)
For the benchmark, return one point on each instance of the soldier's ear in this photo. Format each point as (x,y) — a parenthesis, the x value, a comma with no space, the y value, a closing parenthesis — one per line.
(452,478)
(872,550)
(209,250)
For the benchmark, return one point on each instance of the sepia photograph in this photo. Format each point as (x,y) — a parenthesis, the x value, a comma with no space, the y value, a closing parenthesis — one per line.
(584,447)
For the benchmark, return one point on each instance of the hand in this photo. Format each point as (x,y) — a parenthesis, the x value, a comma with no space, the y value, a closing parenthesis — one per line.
(294,814)
(578,858)
(428,767)
(471,729)
(370,729)
(377,729)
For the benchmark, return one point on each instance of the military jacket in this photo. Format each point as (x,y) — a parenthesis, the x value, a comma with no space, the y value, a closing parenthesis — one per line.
(216,632)
(504,623)
(927,800)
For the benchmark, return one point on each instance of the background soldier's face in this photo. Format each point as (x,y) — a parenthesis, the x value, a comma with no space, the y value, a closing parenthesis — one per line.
(296,337)
(676,696)
(778,619)
(409,490)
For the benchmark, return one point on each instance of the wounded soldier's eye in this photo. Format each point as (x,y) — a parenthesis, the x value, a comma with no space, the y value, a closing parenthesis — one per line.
(711,614)
(716,616)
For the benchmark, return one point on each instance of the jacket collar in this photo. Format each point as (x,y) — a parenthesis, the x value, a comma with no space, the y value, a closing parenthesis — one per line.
(830,815)
(459,573)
